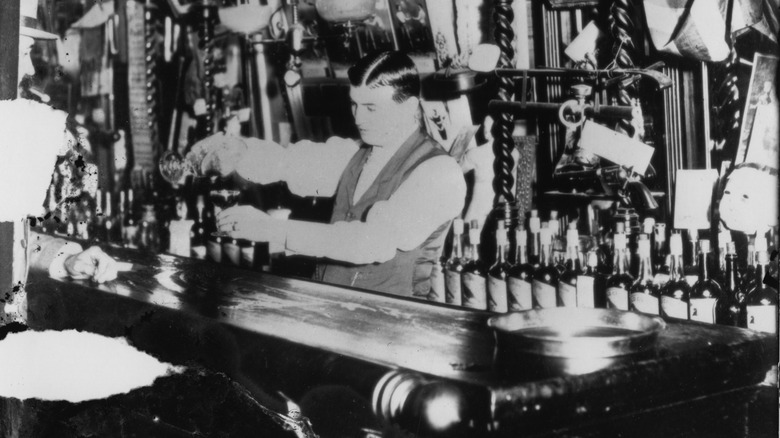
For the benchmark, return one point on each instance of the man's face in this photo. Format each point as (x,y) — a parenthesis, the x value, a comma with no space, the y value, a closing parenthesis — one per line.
(378,117)
(25,61)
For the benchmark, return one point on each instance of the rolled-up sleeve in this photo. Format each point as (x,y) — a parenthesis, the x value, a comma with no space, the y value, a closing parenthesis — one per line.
(433,194)
(308,168)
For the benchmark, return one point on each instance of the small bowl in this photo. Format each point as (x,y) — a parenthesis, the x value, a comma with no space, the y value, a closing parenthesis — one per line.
(576,333)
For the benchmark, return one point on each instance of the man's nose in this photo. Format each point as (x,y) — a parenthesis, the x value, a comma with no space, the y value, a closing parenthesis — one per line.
(26,67)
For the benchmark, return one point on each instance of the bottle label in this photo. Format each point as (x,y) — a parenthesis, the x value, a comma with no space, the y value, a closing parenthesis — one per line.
(691,279)
(248,256)
(497,298)
(452,285)
(214,251)
(232,253)
(762,318)
(520,295)
(674,308)
(567,295)
(645,303)
(617,298)
(436,293)
(703,309)
(660,279)
(586,297)
(544,295)
(474,291)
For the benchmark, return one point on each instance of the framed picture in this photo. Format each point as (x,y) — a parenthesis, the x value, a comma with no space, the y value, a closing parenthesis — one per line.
(758,139)
(412,26)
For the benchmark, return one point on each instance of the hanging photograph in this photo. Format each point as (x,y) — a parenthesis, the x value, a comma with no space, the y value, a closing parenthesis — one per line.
(758,140)
(412,25)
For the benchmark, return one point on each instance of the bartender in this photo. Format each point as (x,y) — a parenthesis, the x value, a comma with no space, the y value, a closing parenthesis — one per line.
(41,130)
(396,190)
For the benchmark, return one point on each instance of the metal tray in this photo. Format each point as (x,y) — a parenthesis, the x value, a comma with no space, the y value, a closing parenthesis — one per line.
(576,333)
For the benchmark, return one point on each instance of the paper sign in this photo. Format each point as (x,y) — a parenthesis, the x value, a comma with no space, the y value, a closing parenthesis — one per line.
(616,147)
(584,44)
(693,198)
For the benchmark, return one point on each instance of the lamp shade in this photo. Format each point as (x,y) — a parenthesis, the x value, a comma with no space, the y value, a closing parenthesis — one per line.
(339,11)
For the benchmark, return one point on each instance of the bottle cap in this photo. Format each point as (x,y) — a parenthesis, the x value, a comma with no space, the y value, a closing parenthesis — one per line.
(546,225)
(620,227)
(572,225)
(647,225)
(474,236)
(593,259)
(572,238)
(534,213)
(457,226)
(762,257)
(644,236)
(660,230)
(521,237)
(731,248)
(620,241)
(675,244)
(553,214)
(501,236)
(693,234)
(200,202)
(545,236)
(760,244)
(474,224)
(704,246)
(534,224)
(643,247)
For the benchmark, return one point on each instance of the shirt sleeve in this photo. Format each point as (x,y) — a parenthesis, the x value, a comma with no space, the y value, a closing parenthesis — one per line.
(433,194)
(309,168)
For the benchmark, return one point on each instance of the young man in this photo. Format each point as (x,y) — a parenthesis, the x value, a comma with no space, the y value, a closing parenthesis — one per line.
(396,190)
(35,134)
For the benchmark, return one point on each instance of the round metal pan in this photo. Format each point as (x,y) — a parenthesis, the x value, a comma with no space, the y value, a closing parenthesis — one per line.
(571,332)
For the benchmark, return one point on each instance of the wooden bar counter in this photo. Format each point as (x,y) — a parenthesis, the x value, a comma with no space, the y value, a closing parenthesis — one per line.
(358,361)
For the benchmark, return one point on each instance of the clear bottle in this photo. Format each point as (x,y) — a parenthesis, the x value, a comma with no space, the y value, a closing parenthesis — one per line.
(545,279)
(198,231)
(676,292)
(534,247)
(453,268)
(645,296)
(761,301)
(96,229)
(567,283)
(520,275)
(474,275)
(129,225)
(724,238)
(660,251)
(728,310)
(148,232)
(498,300)
(706,292)
(591,284)
(690,268)
(619,283)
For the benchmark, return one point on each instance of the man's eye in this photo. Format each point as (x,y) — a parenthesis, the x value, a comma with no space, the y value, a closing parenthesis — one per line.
(371,109)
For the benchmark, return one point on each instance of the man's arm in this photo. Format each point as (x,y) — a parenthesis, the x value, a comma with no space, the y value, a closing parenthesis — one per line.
(433,194)
(310,169)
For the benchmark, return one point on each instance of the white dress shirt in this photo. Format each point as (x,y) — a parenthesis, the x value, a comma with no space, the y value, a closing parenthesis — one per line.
(431,195)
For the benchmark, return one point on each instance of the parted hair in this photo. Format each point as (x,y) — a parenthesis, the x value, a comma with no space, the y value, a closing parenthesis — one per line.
(393,69)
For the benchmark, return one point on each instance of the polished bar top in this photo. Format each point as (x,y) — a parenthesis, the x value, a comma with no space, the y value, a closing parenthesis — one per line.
(689,360)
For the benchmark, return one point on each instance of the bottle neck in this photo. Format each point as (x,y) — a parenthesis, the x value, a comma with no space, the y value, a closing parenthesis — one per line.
(546,257)
(521,255)
(475,252)
(573,258)
(704,274)
(500,253)
(732,274)
(619,265)
(457,250)
(645,268)
(676,271)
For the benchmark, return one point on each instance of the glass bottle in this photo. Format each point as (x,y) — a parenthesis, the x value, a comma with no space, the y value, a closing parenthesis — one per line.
(706,292)
(198,231)
(520,275)
(454,266)
(567,283)
(534,226)
(474,275)
(129,226)
(644,292)
(619,283)
(761,301)
(690,268)
(591,284)
(728,310)
(724,238)
(676,292)
(497,274)
(545,279)
(660,252)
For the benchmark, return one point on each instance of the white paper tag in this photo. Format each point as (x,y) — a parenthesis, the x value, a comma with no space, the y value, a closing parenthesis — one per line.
(474,289)
(674,308)
(567,294)
(585,291)
(617,298)
(497,299)
(645,303)
(703,309)
(544,294)
(452,287)
(762,318)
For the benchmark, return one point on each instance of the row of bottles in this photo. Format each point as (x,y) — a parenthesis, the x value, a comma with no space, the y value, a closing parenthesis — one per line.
(644,274)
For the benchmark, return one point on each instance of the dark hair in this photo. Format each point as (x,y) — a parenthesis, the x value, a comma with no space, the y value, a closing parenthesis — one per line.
(393,69)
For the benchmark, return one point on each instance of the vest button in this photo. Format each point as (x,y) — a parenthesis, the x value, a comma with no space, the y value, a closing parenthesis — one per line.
(350,215)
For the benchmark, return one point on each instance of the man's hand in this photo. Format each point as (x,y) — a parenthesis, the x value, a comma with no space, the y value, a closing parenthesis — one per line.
(245,222)
(91,263)
(218,153)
